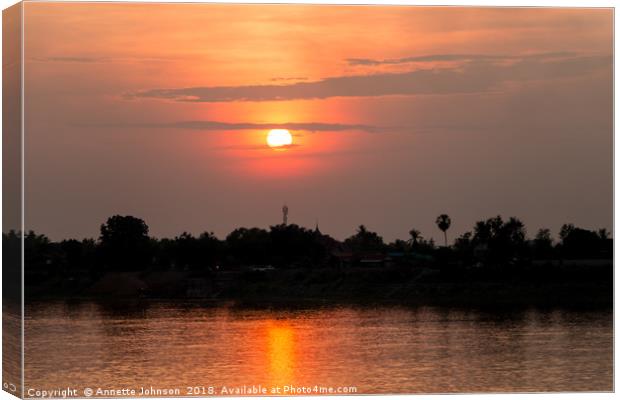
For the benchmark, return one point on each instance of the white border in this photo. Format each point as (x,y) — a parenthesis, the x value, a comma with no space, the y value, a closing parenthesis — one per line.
(484,3)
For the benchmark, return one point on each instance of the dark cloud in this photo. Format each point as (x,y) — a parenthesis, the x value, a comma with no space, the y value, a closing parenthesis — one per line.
(455,57)
(293,126)
(253,147)
(236,126)
(473,77)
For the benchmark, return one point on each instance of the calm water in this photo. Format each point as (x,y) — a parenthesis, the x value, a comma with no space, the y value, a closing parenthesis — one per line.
(376,350)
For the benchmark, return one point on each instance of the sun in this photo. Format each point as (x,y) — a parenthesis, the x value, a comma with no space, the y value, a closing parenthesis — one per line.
(279,138)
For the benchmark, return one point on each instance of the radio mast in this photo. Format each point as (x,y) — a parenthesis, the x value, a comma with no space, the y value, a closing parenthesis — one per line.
(285,214)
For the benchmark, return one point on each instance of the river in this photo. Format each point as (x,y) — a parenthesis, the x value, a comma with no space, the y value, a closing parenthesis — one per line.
(347,349)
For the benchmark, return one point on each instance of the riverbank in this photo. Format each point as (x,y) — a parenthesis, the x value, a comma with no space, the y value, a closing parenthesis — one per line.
(574,286)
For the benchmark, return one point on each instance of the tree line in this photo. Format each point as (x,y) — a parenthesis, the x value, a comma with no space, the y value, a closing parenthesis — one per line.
(124,244)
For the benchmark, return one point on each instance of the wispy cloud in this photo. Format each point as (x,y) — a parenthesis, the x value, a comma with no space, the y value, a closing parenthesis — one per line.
(457,57)
(70,59)
(238,126)
(284,79)
(473,77)
(254,147)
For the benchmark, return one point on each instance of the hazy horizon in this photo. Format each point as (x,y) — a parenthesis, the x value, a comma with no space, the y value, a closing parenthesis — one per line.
(398,114)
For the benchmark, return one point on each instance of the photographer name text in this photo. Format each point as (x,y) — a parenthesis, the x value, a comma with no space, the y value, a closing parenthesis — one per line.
(150,391)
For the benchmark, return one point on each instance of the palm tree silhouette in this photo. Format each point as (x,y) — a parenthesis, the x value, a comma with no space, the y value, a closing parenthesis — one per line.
(443,223)
(415,236)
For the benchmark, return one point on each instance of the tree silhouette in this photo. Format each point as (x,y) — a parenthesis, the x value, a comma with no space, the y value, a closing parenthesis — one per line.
(581,243)
(125,243)
(365,241)
(249,246)
(78,255)
(566,230)
(603,233)
(443,223)
(415,236)
(543,244)
(294,245)
(505,241)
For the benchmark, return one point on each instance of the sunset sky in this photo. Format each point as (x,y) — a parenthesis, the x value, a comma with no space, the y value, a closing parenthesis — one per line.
(398,114)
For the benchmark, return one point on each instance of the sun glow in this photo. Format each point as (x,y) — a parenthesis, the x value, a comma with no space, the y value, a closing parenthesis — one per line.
(279,138)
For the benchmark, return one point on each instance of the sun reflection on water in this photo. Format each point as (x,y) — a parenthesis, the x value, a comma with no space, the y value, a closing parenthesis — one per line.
(281,353)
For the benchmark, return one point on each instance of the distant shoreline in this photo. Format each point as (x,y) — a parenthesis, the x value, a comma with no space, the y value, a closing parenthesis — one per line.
(320,287)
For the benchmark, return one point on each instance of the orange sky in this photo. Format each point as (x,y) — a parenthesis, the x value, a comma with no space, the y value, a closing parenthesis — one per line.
(398,114)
